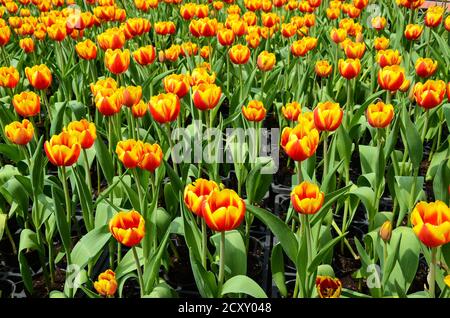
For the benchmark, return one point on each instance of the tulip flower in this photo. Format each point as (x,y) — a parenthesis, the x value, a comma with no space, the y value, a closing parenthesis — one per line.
(140,109)
(164,107)
(189,49)
(380,115)
(19,133)
(109,101)
(388,58)
(349,68)
(431,223)
(39,76)
(145,55)
(106,284)
(299,142)
(354,50)
(225,37)
(63,150)
(106,83)
(130,152)
(429,94)
(381,43)
(131,95)
(299,48)
(128,228)
(288,30)
(27,45)
(338,35)
(391,77)
(413,32)
(447,23)
(328,116)
(223,210)
(266,61)
(27,104)
(206,96)
(196,193)
(323,68)
(425,67)
(328,287)
(165,27)
(200,75)
(379,23)
(86,50)
(254,111)
(386,231)
(5,35)
(253,39)
(239,54)
(333,13)
(85,132)
(57,32)
(152,157)
(117,61)
(307,198)
(9,76)
(434,16)
(291,111)
(177,84)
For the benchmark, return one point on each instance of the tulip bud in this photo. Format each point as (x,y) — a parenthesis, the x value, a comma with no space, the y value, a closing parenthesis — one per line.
(386,231)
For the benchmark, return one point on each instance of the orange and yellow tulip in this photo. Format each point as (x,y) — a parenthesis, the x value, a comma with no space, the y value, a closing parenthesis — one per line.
(140,109)
(85,132)
(300,142)
(39,76)
(108,101)
(9,76)
(152,157)
(128,228)
(291,111)
(266,61)
(239,54)
(425,67)
(307,198)
(349,68)
(27,45)
(379,115)
(354,50)
(196,193)
(177,84)
(145,55)
(87,50)
(391,77)
(388,58)
(433,16)
(323,68)
(385,231)
(429,94)
(328,116)
(63,149)
(106,284)
(130,152)
(431,223)
(381,43)
(206,96)
(27,104)
(413,32)
(164,107)
(338,35)
(223,210)
(131,95)
(117,61)
(328,287)
(254,111)
(19,133)
(225,37)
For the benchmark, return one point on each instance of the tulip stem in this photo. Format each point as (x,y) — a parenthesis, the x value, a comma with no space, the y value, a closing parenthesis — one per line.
(89,181)
(325,155)
(221,261)
(205,243)
(66,195)
(139,190)
(432,282)
(139,271)
(425,125)
(299,172)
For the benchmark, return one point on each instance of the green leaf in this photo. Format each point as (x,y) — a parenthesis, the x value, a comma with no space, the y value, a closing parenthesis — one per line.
(277,267)
(28,241)
(323,251)
(243,284)
(127,263)
(279,229)
(61,221)
(85,195)
(441,181)
(413,139)
(235,253)
(57,122)
(3,220)
(90,245)
(391,260)
(175,180)
(105,160)
(12,152)
(37,167)
(257,184)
